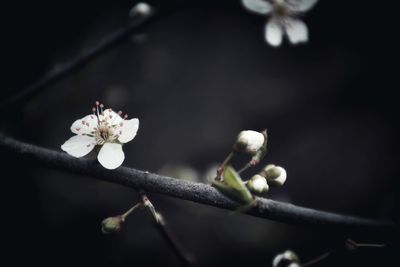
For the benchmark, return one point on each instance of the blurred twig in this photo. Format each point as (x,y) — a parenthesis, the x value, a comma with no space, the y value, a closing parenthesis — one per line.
(63,69)
(196,192)
(171,240)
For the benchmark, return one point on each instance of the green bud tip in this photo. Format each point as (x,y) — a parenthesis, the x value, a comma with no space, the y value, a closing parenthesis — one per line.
(111,224)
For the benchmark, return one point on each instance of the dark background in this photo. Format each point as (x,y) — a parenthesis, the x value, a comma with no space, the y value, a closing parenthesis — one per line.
(195,78)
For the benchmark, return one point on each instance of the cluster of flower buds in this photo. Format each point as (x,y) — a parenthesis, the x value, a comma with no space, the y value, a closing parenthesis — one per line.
(270,175)
(286,259)
(229,182)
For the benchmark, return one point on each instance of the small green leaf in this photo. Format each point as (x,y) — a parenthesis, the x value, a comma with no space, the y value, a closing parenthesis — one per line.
(233,187)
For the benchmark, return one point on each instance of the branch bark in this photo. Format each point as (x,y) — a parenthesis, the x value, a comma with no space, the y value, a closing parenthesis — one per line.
(197,192)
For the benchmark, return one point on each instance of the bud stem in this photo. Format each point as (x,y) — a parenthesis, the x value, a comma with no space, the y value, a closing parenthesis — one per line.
(221,168)
(123,216)
(245,167)
(317,259)
(359,245)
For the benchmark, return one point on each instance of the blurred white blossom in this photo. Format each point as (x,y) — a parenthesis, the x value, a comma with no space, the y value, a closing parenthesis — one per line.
(283,19)
(180,171)
(104,128)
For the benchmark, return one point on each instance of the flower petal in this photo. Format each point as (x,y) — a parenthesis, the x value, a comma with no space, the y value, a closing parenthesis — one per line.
(79,145)
(86,125)
(296,31)
(111,156)
(258,6)
(273,32)
(300,5)
(128,130)
(111,117)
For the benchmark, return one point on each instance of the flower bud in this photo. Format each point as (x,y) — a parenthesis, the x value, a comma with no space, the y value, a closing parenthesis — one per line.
(258,184)
(111,224)
(286,259)
(249,142)
(140,9)
(275,175)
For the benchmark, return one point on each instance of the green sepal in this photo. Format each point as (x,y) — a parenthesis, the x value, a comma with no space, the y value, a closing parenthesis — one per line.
(233,187)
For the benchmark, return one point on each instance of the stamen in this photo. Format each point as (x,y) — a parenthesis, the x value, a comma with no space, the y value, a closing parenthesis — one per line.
(126,116)
(97,109)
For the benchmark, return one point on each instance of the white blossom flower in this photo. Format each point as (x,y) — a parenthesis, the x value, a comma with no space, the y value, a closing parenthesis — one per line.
(249,141)
(106,129)
(283,19)
(258,184)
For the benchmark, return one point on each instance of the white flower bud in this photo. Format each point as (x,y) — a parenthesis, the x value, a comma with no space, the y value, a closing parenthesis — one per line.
(286,259)
(249,142)
(111,224)
(275,175)
(140,9)
(258,184)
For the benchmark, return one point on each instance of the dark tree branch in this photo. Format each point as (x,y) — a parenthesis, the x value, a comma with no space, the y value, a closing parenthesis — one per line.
(197,192)
(66,68)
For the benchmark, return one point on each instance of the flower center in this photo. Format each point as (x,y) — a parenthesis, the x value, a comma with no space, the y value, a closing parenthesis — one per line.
(103,134)
(107,130)
(280,10)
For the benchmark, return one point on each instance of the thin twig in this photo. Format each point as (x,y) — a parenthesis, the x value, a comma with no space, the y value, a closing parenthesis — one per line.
(197,192)
(172,241)
(63,69)
(245,167)
(317,259)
